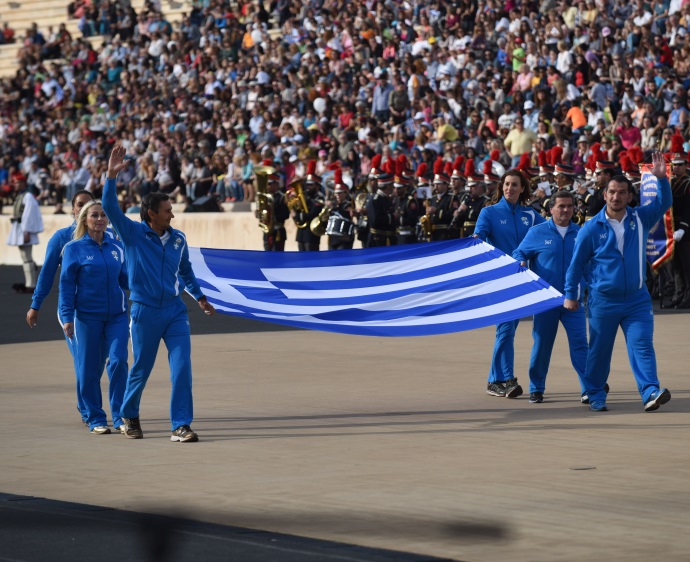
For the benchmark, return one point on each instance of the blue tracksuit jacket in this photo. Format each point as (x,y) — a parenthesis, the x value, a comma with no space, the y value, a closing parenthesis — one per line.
(154,270)
(92,279)
(504,225)
(612,274)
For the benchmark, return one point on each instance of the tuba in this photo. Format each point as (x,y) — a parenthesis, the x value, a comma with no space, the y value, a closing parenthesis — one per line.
(295,200)
(318,224)
(264,201)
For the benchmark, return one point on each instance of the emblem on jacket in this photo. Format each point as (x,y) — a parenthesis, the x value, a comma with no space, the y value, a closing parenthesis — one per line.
(89,258)
(548,242)
(504,221)
(632,225)
(114,252)
(178,241)
(525,221)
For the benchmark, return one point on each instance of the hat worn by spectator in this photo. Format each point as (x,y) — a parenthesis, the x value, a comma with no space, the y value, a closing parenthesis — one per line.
(564,169)
(529,104)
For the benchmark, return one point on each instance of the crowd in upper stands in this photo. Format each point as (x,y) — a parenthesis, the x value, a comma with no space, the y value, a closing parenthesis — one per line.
(200,101)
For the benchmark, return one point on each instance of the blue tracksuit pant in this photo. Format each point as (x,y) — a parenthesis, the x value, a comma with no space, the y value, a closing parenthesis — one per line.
(148,326)
(503,356)
(635,317)
(91,337)
(544,332)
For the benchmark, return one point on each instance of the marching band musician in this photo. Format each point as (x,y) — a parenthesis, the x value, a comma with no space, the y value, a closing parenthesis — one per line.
(422,195)
(360,211)
(470,206)
(307,241)
(594,202)
(680,188)
(342,209)
(442,205)
(275,241)
(564,175)
(382,216)
(406,203)
(458,182)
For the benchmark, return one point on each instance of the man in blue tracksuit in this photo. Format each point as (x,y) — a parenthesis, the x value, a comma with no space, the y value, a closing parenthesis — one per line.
(504,225)
(613,245)
(157,260)
(548,248)
(46,277)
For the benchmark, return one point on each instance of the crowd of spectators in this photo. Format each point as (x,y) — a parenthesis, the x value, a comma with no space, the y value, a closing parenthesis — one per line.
(198,102)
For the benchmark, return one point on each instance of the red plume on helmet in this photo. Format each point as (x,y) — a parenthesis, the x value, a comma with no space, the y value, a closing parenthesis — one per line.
(458,164)
(422,170)
(311,167)
(541,159)
(267,162)
(495,155)
(677,142)
(525,161)
(636,155)
(595,157)
(487,167)
(556,155)
(375,165)
(448,169)
(402,160)
(469,168)
(626,163)
(438,166)
(338,176)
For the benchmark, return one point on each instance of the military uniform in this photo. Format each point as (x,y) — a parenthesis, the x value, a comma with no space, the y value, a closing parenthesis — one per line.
(381,219)
(275,241)
(409,215)
(681,256)
(467,219)
(343,241)
(445,205)
(307,241)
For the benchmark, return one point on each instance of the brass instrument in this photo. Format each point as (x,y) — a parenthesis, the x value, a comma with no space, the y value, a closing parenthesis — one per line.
(319,223)
(425,223)
(265,203)
(295,199)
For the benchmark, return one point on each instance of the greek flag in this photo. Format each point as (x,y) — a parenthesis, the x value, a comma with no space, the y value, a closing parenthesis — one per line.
(413,290)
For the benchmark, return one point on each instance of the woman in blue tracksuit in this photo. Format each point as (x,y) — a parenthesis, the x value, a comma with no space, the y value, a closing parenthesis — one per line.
(46,277)
(93,311)
(613,245)
(504,225)
(548,248)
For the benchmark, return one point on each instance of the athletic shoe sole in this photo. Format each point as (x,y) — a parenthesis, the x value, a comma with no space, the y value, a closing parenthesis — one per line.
(514,392)
(653,405)
(176,439)
(494,393)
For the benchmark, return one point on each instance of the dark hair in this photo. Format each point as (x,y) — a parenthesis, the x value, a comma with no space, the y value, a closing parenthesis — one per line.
(562,194)
(620,178)
(81,192)
(524,182)
(151,202)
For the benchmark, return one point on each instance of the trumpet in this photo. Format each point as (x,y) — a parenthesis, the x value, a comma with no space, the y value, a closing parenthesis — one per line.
(265,202)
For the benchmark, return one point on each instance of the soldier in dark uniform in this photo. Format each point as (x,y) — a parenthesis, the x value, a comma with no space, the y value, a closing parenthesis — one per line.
(407,205)
(341,209)
(458,182)
(680,186)
(441,207)
(422,195)
(594,202)
(361,201)
(381,214)
(307,241)
(470,206)
(275,241)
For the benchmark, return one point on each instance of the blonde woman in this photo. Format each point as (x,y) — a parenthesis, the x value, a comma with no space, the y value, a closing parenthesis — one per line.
(93,312)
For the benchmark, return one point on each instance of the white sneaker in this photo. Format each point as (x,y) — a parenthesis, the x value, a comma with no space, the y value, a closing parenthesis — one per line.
(101,430)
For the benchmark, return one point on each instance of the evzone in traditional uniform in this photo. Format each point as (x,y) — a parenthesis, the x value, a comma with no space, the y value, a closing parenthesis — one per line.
(307,241)
(442,206)
(340,229)
(27,222)
(406,202)
(382,215)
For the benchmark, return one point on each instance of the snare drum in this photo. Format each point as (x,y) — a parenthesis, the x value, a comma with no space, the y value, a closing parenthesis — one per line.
(338,226)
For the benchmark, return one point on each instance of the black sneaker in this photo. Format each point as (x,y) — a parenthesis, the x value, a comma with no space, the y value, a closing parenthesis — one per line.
(184,434)
(584,399)
(536,398)
(496,389)
(661,396)
(132,428)
(513,389)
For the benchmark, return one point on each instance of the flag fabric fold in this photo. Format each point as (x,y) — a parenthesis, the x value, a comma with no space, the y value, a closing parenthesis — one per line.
(412,290)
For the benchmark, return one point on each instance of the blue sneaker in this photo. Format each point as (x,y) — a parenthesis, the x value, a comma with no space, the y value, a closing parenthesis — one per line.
(657,398)
(598,406)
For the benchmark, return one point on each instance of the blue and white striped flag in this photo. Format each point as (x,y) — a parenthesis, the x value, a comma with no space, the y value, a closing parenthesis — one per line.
(413,290)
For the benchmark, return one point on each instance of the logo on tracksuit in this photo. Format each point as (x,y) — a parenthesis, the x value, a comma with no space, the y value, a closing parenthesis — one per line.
(525,221)
(115,255)
(89,258)
(178,241)
(548,242)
